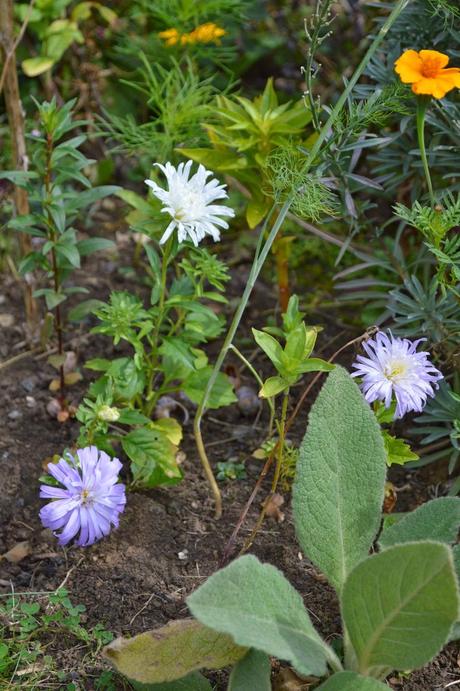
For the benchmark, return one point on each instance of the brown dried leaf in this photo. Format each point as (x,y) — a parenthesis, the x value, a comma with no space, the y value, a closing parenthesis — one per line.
(20,551)
(273,508)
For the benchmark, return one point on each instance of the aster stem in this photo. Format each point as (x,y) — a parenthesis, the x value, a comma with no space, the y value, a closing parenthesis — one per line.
(422,105)
(262,251)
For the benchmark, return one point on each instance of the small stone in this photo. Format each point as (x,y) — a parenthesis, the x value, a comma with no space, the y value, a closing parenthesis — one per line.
(30,402)
(14,414)
(29,384)
(183,555)
(6,320)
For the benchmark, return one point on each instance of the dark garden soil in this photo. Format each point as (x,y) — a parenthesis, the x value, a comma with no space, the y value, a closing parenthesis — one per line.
(168,541)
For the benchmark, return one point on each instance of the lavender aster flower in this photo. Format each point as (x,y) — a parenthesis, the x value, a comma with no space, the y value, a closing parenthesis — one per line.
(395,367)
(91,501)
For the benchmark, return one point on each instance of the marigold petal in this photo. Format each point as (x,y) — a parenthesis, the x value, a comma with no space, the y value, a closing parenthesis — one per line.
(409,66)
(433,87)
(441,59)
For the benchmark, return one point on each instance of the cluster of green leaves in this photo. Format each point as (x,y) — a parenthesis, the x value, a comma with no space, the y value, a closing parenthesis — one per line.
(29,624)
(436,226)
(293,360)
(57,170)
(398,452)
(242,136)
(399,606)
(178,101)
(166,360)
(55,32)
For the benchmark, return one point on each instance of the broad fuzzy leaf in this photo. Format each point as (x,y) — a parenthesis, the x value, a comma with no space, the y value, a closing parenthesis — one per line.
(438,520)
(399,606)
(251,672)
(259,608)
(172,652)
(338,490)
(192,682)
(350,681)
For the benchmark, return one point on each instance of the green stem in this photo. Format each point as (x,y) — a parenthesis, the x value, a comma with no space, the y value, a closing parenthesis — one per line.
(262,251)
(256,376)
(422,105)
(150,400)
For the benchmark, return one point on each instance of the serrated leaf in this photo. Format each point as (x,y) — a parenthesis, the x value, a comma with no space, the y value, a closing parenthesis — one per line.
(437,520)
(400,605)
(153,457)
(339,485)
(170,427)
(259,608)
(397,450)
(350,681)
(171,652)
(222,393)
(251,672)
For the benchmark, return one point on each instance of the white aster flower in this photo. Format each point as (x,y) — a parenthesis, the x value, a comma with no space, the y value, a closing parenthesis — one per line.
(394,367)
(189,202)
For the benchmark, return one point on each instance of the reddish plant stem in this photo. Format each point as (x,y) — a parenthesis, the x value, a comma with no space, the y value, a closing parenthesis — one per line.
(231,542)
(55,268)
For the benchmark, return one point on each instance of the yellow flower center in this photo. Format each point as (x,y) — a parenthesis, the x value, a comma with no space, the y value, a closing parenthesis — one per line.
(395,369)
(85,496)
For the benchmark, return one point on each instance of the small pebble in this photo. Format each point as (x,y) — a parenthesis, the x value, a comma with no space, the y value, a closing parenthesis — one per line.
(30,402)
(29,384)
(14,414)
(183,555)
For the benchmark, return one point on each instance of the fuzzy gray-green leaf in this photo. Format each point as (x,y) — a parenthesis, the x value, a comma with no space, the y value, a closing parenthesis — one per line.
(438,520)
(338,490)
(399,606)
(259,608)
(350,681)
(251,672)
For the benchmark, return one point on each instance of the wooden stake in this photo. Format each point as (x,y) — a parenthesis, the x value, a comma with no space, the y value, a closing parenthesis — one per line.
(18,143)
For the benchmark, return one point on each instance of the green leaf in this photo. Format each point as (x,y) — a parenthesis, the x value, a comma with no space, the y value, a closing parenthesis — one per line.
(350,681)
(397,450)
(437,520)
(132,417)
(192,682)
(69,252)
(84,308)
(339,485)
(400,605)
(259,608)
(215,159)
(222,393)
(32,67)
(171,652)
(270,346)
(257,209)
(273,386)
(153,457)
(86,247)
(98,364)
(251,672)
(315,364)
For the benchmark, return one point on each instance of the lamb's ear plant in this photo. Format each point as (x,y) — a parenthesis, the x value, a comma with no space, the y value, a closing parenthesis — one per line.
(399,605)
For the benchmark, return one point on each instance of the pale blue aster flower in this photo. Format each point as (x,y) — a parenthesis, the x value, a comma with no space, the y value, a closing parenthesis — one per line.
(92,500)
(394,367)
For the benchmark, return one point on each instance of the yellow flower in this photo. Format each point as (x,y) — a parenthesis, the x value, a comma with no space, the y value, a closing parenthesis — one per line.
(207,33)
(170,36)
(426,71)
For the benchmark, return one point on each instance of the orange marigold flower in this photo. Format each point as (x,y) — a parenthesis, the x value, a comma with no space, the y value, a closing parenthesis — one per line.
(426,71)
